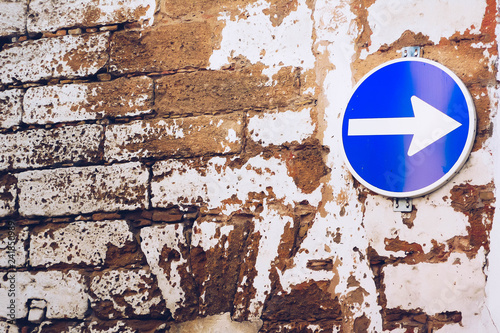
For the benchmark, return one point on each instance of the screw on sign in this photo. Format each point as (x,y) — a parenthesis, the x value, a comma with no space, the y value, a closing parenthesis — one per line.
(408,127)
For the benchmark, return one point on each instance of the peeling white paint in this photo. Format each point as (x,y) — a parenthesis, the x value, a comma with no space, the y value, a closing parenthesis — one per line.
(96,188)
(46,58)
(255,38)
(269,225)
(336,32)
(67,14)
(81,242)
(493,269)
(130,285)
(11,107)
(176,183)
(439,223)
(153,240)
(13,17)
(204,234)
(278,128)
(455,285)
(436,19)
(73,102)
(41,147)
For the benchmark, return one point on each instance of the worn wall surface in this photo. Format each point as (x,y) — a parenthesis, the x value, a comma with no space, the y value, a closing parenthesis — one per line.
(176,166)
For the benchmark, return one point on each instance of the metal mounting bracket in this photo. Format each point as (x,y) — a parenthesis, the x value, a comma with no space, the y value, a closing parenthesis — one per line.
(404,205)
(411,51)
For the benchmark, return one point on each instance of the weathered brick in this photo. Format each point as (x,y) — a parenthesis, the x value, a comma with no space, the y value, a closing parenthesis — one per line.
(130,325)
(41,147)
(176,8)
(13,246)
(79,243)
(218,185)
(161,48)
(74,102)
(174,137)
(13,15)
(126,294)
(11,107)
(53,15)
(8,195)
(67,56)
(78,190)
(210,91)
(65,293)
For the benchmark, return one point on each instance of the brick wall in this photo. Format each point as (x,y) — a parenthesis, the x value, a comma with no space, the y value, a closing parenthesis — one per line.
(175,166)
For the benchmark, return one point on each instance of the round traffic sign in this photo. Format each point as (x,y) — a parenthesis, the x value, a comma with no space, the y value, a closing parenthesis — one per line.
(408,127)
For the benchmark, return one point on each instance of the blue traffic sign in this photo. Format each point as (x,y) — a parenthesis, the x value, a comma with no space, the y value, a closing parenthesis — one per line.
(408,127)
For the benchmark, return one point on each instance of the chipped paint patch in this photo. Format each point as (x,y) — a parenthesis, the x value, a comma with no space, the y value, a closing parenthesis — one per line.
(257,39)
(455,285)
(40,147)
(131,293)
(97,188)
(158,243)
(46,58)
(216,183)
(65,14)
(76,102)
(11,107)
(166,137)
(388,19)
(278,128)
(78,242)
(438,223)
(13,17)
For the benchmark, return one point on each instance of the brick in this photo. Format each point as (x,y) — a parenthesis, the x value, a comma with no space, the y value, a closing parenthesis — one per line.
(176,8)
(45,147)
(75,102)
(78,190)
(130,325)
(13,246)
(79,243)
(160,138)
(126,294)
(217,185)
(65,293)
(161,48)
(8,195)
(211,91)
(216,255)
(13,17)
(11,107)
(53,15)
(67,56)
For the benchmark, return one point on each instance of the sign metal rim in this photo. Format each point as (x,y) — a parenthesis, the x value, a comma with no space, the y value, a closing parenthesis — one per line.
(471,133)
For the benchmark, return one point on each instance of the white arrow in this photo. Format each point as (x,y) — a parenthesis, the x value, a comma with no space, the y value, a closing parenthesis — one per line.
(427,126)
